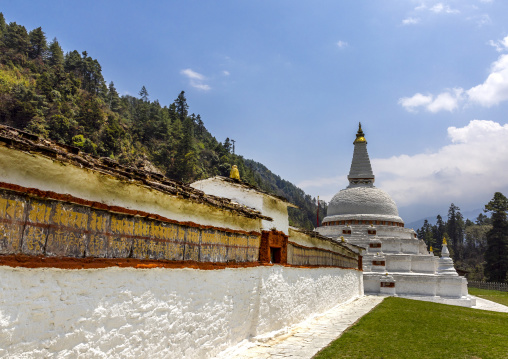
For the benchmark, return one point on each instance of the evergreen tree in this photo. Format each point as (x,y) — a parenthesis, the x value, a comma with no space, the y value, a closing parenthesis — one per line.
(200,125)
(143,93)
(113,98)
(483,219)
(496,255)
(439,230)
(181,106)
(455,227)
(427,234)
(3,28)
(73,62)
(38,44)
(17,39)
(227,145)
(55,54)
(187,159)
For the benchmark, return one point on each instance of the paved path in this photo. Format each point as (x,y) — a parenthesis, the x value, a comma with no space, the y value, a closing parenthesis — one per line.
(310,337)
(305,340)
(485,304)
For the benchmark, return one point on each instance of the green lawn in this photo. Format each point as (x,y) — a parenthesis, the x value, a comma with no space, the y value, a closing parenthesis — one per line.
(404,328)
(493,295)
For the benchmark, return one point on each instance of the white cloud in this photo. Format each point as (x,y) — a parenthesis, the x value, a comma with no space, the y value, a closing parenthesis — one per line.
(225,73)
(342,44)
(410,21)
(192,74)
(420,7)
(501,45)
(445,9)
(199,86)
(196,79)
(468,169)
(492,91)
(495,88)
(446,101)
(417,100)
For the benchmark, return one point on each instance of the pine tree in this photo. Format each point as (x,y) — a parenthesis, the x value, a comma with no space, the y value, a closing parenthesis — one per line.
(438,231)
(482,219)
(73,62)
(113,98)
(455,228)
(3,28)
(143,93)
(227,145)
(496,255)
(17,39)
(38,44)
(55,54)
(186,154)
(181,106)
(200,125)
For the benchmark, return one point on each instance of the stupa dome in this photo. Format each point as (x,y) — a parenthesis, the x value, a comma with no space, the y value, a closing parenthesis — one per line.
(362,200)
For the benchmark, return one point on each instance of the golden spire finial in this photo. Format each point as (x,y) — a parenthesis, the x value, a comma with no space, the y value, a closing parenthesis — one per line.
(342,239)
(444,241)
(359,135)
(235,174)
(431,250)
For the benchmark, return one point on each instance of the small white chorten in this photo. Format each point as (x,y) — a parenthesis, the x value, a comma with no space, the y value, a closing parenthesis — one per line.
(445,262)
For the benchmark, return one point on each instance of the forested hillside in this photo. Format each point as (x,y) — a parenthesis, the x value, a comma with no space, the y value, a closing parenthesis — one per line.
(64,97)
(480,247)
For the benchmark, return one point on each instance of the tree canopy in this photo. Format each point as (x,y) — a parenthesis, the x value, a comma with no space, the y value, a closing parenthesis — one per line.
(496,254)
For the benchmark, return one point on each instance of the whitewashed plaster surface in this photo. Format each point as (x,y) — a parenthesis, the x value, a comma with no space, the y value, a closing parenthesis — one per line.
(305,240)
(46,174)
(158,313)
(363,200)
(268,205)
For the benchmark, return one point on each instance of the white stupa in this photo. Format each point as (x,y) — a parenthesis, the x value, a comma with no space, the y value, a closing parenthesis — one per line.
(396,262)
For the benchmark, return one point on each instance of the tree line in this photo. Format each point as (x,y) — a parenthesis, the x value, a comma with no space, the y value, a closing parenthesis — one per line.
(479,247)
(64,97)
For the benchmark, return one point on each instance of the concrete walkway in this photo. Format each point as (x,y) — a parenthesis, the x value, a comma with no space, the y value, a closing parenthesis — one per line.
(485,304)
(305,340)
(311,336)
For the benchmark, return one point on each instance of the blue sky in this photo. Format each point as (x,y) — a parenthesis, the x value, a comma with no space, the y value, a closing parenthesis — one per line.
(290,80)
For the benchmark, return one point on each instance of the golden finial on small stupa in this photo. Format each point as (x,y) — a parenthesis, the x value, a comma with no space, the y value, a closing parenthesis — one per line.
(342,239)
(359,135)
(235,174)
(431,250)
(444,242)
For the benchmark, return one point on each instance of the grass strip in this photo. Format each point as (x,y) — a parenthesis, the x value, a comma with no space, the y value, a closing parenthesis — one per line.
(404,328)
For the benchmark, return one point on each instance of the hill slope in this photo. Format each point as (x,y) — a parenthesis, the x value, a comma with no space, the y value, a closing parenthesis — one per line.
(64,97)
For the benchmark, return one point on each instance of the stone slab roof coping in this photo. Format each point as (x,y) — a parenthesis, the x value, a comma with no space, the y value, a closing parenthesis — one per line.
(25,141)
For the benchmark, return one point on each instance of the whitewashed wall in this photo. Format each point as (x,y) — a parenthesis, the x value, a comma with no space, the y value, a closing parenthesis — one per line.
(158,313)
(270,206)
